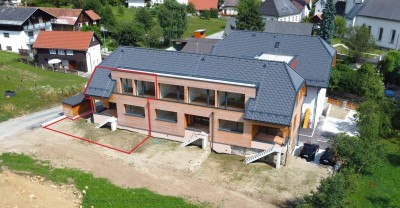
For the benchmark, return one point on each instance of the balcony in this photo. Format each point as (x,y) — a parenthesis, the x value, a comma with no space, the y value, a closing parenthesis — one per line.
(268,134)
(37,26)
(171,92)
(145,89)
(231,101)
(203,97)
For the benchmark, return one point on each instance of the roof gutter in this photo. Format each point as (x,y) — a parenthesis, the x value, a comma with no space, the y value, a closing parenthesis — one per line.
(196,78)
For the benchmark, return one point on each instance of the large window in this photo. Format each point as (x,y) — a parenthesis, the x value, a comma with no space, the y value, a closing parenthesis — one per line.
(229,100)
(167,116)
(6,35)
(230,126)
(171,92)
(134,110)
(393,36)
(202,96)
(127,87)
(146,89)
(53,51)
(269,130)
(61,52)
(9,48)
(380,34)
(70,53)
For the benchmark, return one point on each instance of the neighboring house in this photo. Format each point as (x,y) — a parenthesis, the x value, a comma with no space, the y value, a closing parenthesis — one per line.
(381,16)
(321,4)
(74,50)
(314,64)
(201,5)
(143,3)
(304,6)
(229,7)
(275,27)
(199,45)
(10,2)
(19,27)
(71,19)
(234,105)
(280,10)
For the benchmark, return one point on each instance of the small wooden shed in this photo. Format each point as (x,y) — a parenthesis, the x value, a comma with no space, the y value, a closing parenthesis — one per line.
(75,106)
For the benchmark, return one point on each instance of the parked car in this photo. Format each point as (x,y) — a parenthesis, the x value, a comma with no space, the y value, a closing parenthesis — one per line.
(309,151)
(328,157)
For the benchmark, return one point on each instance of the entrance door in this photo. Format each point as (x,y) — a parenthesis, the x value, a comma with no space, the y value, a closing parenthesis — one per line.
(72,65)
(198,123)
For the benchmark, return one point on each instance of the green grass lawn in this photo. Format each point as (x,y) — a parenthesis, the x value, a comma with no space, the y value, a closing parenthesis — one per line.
(101,192)
(128,15)
(36,88)
(211,25)
(381,187)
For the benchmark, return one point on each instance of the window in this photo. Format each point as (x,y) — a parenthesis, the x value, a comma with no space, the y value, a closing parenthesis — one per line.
(380,34)
(233,126)
(369,29)
(53,51)
(30,34)
(229,100)
(80,24)
(61,52)
(393,36)
(126,85)
(171,92)
(70,53)
(202,96)
(134,110)
(6,35)
(166,116)
(145,88)
(269,130)
(9,48)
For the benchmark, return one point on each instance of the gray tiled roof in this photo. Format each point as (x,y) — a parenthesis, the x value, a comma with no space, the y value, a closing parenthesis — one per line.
(199,45)
(230,3)
(276,83)
(74,100)
(272,26)
(315,55)
(384,9)
(278,8)
(355,10)
(101,84)
(15,15)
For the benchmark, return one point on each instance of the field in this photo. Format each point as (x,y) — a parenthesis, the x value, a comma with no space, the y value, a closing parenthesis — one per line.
(99,191)
(35,88)
(381,186)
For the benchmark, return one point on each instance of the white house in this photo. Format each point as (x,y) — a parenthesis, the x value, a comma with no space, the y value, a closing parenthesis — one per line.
(143,3)
(304,6)
(281,10)
(19,27)
(229,7)
(381,16)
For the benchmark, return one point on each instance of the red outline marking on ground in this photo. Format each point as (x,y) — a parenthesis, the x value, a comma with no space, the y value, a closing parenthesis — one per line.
(92,110)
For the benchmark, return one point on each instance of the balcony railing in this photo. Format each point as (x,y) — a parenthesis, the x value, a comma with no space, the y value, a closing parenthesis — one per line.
(37,26)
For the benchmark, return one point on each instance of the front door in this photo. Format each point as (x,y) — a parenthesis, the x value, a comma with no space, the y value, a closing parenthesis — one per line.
(72,65)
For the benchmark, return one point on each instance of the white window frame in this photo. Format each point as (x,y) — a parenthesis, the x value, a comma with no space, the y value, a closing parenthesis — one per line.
(70,52)
(60,52)
(53,51)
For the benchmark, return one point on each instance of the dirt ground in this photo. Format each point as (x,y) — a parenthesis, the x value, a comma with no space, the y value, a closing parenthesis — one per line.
(166,168)
(22,190)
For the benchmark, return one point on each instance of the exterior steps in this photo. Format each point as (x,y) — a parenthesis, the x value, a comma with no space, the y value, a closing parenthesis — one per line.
(111,120)
(196,136)
(259,155)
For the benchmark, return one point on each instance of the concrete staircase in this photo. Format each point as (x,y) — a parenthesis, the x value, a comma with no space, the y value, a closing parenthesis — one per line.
(110,119)
(196,136)
(259,155)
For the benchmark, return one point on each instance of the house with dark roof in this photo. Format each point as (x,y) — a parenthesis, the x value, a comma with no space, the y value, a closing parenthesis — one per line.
(71,19)
(234,105)
(229,7)
(280,10)
(68,50)
(19,27)
(381,16)
(199,45)
(271,26)
(315,59)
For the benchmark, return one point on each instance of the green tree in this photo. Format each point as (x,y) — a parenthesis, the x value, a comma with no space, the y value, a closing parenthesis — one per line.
(108,17)
(94,5)
(359,40)
(172,19)
(121,10)
(328,26)
(371,82)
(206,14)
(340,26)
(93,28)
(214,13)
(128,34)
(390,67)
(144,17)
(249,17)
(191,9)
(154,38)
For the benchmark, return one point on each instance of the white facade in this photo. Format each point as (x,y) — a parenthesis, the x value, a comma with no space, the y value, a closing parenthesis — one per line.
(142,3)
(290,18)
(93,57)
(385,32)
(21,39)
(315,101)
(229,11)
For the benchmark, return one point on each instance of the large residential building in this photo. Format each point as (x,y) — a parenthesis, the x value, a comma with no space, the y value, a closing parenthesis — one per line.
(68,50)
(314,64)
(234,105)
(280,10)
(19,27)
(381,16)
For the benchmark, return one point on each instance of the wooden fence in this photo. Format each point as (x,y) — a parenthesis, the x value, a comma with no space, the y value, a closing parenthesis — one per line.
(343,103)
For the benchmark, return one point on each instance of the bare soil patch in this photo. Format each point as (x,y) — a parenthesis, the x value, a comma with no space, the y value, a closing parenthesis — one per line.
(166,168)
(22,190)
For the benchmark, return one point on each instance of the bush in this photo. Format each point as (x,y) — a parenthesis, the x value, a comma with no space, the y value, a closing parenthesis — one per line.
(214,13)
(206,14)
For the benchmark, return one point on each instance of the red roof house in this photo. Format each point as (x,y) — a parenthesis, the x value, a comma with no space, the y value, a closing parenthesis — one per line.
(204,4)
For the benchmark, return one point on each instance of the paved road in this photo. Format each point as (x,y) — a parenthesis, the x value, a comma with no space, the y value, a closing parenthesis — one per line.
(28,122)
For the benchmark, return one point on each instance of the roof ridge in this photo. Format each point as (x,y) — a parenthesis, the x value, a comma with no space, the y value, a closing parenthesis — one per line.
(324,43)
(283,34)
